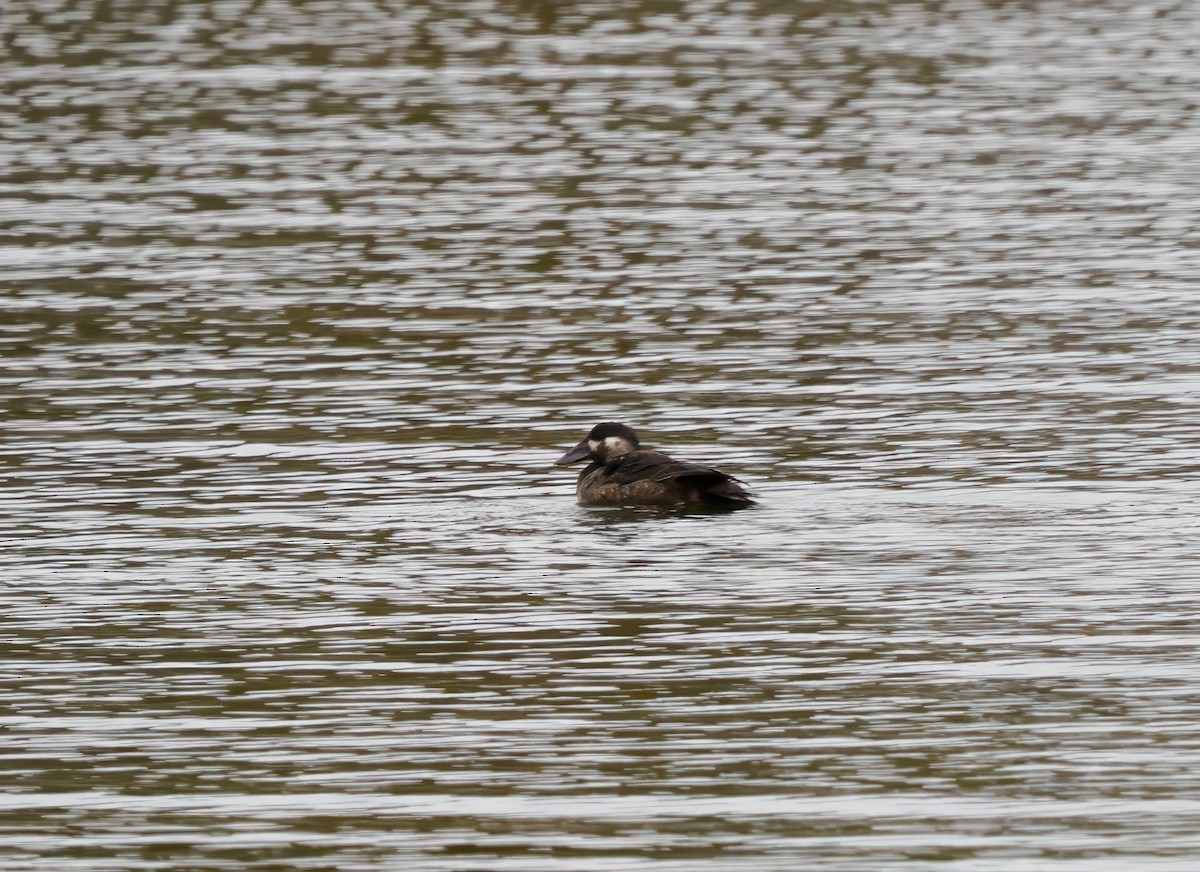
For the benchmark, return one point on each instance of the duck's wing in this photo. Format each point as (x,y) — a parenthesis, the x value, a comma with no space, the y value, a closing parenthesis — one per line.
(647,466)
(655,466)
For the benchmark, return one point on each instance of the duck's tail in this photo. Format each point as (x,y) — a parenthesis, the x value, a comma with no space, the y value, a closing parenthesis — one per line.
(724,492)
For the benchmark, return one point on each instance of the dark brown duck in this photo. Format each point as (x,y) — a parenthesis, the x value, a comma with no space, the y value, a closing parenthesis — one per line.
(621,474)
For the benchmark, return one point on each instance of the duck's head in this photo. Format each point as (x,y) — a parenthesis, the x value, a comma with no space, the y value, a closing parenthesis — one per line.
(604,442)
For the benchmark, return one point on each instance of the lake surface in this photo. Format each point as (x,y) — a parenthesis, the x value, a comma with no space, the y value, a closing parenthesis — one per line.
(301,301)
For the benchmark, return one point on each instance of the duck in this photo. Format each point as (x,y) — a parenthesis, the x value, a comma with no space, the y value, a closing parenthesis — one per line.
(621,473)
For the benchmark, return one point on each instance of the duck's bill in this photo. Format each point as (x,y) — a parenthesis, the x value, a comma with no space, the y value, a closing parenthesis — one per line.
(576,454)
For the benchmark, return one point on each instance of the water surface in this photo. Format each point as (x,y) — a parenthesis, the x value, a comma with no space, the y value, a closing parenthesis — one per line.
(300,302)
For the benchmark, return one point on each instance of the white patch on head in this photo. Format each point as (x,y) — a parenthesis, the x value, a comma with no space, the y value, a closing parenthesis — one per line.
(617,445)
(593,444)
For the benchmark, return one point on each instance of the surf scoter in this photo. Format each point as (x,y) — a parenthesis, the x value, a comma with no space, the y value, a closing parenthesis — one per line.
(622,474)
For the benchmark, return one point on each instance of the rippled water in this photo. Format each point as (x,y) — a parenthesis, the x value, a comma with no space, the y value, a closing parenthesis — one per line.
(300,301)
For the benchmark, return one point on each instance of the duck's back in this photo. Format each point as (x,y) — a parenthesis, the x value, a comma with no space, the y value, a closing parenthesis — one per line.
(651,478)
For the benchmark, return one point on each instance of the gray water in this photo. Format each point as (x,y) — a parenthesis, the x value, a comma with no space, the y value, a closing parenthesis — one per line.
(301,301)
